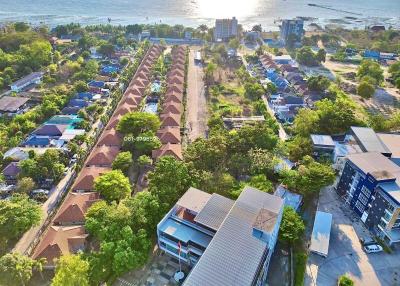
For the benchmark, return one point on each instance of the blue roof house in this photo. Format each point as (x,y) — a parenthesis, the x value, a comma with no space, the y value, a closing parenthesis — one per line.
(84,95)
(97,84)
(78,102)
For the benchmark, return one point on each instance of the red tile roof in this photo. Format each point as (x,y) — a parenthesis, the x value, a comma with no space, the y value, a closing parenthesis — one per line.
(61,240)
(114,120)
(175,88)
(74,207)
(174,150)
(169,135)
(175,80)
(172,107)
(102,156)
(110,138)
(170,119)
(85,180)
(131,100)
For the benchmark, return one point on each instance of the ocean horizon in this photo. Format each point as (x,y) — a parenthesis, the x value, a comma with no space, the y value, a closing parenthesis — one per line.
(350,14)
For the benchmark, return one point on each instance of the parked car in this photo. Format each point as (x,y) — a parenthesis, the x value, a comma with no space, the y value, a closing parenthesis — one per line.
(373,248)
(39,191)
(367,240)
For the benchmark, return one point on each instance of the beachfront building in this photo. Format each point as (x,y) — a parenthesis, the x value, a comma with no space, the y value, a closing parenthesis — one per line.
(290,28)
(211,233)
(29,80)
(225,29)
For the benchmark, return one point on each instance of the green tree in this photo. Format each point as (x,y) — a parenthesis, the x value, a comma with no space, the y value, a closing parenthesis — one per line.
(372,69)
(25,185)
(71,270)
(318,83)
(81,86)
(16,269)
(234,44)
(365,90)
(261,183)
(299,147)
(145,211)
(253,91)
(123,161)
(146,142)
(207,154)
(21,27)
(113,186)
(292,226)
(169,180)
(321,55)
(209,72)
(106,49)
(17,215)
(344,280)
(306,56)
(134,123)
(310,176)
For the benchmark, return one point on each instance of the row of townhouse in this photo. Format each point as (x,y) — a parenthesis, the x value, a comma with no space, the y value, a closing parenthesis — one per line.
(67,234)
(369,168)
(172,108)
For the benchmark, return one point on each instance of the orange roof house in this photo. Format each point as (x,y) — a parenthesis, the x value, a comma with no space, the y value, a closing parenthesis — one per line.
(60,240)
(113,122)
(110,138)
(74,207)
(173,107)
(175,88)
(102,156)
(85,180)
(170,120)
(174,150)
(169,135)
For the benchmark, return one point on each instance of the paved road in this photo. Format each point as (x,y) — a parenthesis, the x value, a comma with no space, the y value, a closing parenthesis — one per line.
(346,255)
(282,133)
(196,119)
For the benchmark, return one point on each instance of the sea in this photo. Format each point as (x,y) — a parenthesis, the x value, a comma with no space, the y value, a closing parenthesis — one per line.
(268,13)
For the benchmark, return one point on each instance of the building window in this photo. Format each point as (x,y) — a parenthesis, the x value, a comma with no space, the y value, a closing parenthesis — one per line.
(363,199)
(382,224)
(359,206)
(366,191)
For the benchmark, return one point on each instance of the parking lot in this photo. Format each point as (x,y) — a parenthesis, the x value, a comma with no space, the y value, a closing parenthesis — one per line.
(346,255)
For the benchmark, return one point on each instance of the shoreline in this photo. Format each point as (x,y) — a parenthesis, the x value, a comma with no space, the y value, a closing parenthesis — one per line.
(269,24)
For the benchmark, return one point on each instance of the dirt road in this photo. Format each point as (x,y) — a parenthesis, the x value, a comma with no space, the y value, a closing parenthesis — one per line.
(196,119)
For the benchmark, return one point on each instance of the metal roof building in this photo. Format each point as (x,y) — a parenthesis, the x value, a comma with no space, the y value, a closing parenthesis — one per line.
(240,251)
(369,141)
(321,233)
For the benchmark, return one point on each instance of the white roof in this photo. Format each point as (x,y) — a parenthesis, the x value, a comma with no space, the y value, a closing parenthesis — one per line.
(321,233)
(194,200)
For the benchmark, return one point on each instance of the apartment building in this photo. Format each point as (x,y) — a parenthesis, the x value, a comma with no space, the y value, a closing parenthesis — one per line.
(292,27)
(225,29)
(213,234)
(370,186)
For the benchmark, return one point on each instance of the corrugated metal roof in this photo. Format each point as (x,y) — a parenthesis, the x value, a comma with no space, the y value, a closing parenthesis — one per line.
(368,140)
(321,233)
(194,200)
(214,212)
(323,140)
(233,256)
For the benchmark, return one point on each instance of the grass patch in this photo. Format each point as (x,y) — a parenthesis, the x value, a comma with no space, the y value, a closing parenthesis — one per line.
(300,262)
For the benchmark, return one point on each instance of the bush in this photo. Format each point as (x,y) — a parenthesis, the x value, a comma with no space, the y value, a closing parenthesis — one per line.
(344,280)
(365,90)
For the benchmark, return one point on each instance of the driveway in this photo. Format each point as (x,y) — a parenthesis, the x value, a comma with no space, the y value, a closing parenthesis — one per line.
(196,119)
(282,133)
(346,255)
